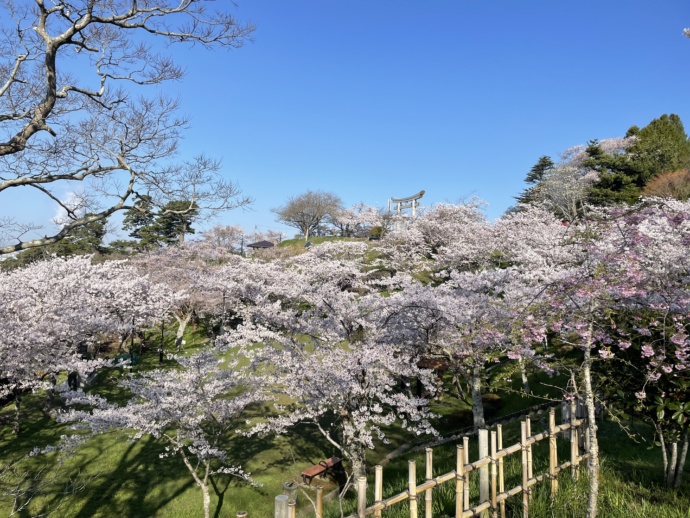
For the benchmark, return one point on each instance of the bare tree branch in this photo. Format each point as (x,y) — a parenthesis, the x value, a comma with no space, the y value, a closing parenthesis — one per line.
(57,131)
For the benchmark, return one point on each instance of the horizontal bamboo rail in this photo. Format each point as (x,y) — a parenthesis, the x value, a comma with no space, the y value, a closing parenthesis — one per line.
(491,488)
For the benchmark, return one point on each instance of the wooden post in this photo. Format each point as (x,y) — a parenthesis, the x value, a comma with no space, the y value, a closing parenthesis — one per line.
(574,442)
(553,452)
(319,502)
(529,449)
(412,488)
(378,488)
(292,509)
(494,476)
(361,497)
(459,481)
(484,470)
(525,469)
(429,475)
(242,514)
(466,496)
(501,479)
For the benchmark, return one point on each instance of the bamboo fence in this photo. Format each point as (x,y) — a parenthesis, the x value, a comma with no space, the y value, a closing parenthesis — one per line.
(489,469)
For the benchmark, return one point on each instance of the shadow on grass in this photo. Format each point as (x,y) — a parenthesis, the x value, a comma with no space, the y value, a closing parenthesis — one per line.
(128,487)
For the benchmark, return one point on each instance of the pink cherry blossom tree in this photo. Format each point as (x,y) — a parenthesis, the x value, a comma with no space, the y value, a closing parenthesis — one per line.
(191,411)
(317,319)
(648,341)
(188,271)
(355,221)
(53,312)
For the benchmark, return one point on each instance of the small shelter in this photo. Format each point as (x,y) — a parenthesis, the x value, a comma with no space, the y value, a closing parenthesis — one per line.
(260,245)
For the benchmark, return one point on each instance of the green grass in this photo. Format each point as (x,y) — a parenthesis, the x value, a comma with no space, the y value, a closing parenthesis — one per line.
(124,478)
(630,482)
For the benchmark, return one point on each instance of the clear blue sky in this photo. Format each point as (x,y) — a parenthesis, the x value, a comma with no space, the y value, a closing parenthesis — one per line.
(379,98)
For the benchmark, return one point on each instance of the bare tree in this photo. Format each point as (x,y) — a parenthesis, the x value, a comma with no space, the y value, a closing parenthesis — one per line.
(306,211)
(94,135)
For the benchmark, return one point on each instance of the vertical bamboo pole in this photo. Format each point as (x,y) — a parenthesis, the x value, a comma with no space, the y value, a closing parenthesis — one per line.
(484,470)
(466,496)
(565,409)
(574,442)
(429,475)
(525,469)
(292,509)
(361,497)
(530,474)
(412,488)
(319,502)
(242,514)
(553,452)
(281,506)
(459,482)
(494,476)
(501,479)
(378,488)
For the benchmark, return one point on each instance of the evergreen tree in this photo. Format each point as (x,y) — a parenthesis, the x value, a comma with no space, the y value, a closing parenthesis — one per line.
(140,220)
(535,175)
(175,221)
(87,239)
(662,146)
(165,227)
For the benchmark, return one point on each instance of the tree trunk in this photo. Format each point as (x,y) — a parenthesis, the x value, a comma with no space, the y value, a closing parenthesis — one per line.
(359,462)
(203,484)
(207,501)
(593,461)
(182,321)
(671,472)
(681,461)
(523,374)
(17,411)
(477,405)
(664,453)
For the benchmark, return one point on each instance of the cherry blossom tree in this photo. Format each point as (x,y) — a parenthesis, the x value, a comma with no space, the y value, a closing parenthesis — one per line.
(649,343)
(188,271)
(317,319)
(191,411)
(566,187)
(349,394)
(228,237)
(444,236)
(356,220)
(53,311)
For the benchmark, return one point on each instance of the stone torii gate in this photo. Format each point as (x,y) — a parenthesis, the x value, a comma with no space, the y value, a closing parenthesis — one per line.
(411,202)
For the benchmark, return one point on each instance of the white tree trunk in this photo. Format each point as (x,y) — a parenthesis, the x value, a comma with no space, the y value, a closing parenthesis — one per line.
(523,374)
(182,321)
(593,461)
(671,472)
(203,484)
(664,452)
(681,461)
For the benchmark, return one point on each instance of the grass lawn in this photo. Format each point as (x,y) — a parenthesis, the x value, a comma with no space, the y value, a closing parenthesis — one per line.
(112,476)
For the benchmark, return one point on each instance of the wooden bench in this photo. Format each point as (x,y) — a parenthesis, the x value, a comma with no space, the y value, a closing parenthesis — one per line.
(320,468)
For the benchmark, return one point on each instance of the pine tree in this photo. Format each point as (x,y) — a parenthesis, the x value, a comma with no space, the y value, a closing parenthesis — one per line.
(535,175)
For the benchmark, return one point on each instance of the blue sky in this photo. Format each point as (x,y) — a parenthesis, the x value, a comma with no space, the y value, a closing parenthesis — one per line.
(380,98)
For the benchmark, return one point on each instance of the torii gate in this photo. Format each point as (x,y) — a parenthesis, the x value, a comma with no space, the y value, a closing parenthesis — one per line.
(411,202)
